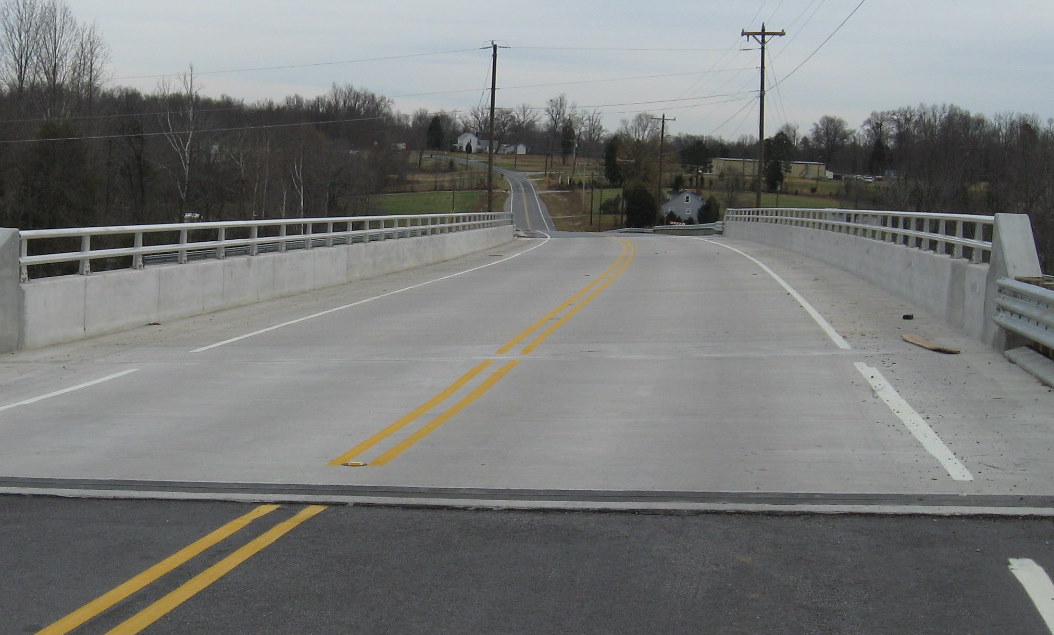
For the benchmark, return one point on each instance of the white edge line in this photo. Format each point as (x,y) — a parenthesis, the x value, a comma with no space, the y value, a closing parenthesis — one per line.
(68,390)
(819,319)
(354,304)
(914,423)
(1038,586)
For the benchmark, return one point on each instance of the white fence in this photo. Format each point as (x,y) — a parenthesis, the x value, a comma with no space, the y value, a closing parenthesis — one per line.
(141,244)
(956,235)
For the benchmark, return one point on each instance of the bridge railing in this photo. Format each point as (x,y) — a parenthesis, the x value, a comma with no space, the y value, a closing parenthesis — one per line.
(1026,309)
(956,235)
(136,246)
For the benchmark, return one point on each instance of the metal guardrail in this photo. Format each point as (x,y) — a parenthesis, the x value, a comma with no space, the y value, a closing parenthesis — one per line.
(143,244)
(1026,309)
(956,235)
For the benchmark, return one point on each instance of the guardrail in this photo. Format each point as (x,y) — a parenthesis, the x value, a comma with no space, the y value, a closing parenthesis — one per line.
(956,235)
(1026,309)
(195,241)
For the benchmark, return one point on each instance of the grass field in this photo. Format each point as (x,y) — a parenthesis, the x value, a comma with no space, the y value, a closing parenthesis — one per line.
(433,202)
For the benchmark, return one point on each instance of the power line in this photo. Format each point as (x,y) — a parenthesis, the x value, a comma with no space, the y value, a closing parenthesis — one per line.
(827,39)
(295,66)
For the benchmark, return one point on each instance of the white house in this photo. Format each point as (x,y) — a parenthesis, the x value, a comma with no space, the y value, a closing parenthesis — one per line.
(466,142)
(684,205)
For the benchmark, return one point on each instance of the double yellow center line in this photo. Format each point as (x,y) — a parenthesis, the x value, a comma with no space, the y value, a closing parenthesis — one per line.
(489,372)
(190,588)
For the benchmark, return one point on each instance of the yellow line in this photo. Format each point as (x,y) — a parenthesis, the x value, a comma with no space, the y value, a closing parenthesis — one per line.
(527,350)
(590,291)
(480,390)
(151,575)
(198,583)
(550,315)
(409,418)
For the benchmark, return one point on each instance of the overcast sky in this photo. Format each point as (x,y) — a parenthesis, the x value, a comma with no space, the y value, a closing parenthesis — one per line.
(682,58)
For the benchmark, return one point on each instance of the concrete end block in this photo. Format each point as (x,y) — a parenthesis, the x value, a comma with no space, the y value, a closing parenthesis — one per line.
(11,318)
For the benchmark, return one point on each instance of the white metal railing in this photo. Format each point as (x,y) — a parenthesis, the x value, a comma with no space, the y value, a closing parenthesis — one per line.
(138,245)
(1026,309)
(956,235)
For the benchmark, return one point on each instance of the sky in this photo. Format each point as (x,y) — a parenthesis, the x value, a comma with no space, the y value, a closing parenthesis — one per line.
(685,59)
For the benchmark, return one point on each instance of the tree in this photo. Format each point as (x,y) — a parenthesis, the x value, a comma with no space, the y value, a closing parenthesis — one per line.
(568,140)
(612,170)
(435,136)
(830,134)
(697,155)
(778,153)
(19,27)
(640,206)
(179,123)
(56,188)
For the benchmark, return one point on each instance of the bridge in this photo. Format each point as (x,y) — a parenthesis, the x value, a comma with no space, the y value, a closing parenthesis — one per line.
(763,370)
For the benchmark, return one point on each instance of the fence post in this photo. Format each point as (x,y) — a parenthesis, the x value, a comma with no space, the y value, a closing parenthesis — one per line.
(11,315)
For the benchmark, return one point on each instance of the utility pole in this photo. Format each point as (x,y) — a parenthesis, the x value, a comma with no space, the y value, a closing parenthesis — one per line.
(662,140)
(761,37)
(490,132)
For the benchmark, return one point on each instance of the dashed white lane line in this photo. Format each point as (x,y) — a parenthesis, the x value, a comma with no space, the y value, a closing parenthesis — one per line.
(1038,586)
(914,423)
(364,301)
(86,384)
(838,340)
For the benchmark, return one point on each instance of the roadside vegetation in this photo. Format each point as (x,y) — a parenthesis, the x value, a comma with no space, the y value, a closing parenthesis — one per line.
(77,151)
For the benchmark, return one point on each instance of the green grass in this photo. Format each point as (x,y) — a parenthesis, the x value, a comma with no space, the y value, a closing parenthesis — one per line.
(427,202)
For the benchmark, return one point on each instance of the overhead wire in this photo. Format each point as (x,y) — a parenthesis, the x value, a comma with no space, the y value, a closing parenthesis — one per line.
(825,41)
(295,66)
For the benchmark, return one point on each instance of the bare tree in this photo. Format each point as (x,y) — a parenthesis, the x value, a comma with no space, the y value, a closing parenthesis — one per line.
(89,64)
(179,123)
(831,134)
(19,24)
(55,65)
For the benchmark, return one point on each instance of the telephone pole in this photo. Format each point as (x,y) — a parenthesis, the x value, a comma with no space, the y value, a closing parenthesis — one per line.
(662,139)
(761,37)
(490,133)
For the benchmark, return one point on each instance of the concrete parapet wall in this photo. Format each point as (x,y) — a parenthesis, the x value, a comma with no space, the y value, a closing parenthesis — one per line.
(55,310)
(953,290)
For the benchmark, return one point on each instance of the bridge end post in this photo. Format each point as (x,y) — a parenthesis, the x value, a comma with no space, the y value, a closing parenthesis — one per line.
(11,314)
(1014,255)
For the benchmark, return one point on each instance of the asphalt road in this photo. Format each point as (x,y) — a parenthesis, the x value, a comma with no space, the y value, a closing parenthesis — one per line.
(355,569)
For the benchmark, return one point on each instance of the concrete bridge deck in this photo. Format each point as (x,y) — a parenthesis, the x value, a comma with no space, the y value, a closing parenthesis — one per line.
(585,369)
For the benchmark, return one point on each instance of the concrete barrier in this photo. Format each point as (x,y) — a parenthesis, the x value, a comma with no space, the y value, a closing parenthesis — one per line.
(55,310)
(952,289)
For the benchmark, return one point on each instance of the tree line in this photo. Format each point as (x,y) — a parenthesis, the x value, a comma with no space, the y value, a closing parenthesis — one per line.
(76,150)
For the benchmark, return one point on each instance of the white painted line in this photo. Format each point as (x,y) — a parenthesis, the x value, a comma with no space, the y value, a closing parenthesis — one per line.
(819,319)
(914,423)
(1038,586)
(354,304)
(68,390)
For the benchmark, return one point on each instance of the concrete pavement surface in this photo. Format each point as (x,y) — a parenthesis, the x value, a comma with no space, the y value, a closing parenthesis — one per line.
(637,365)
